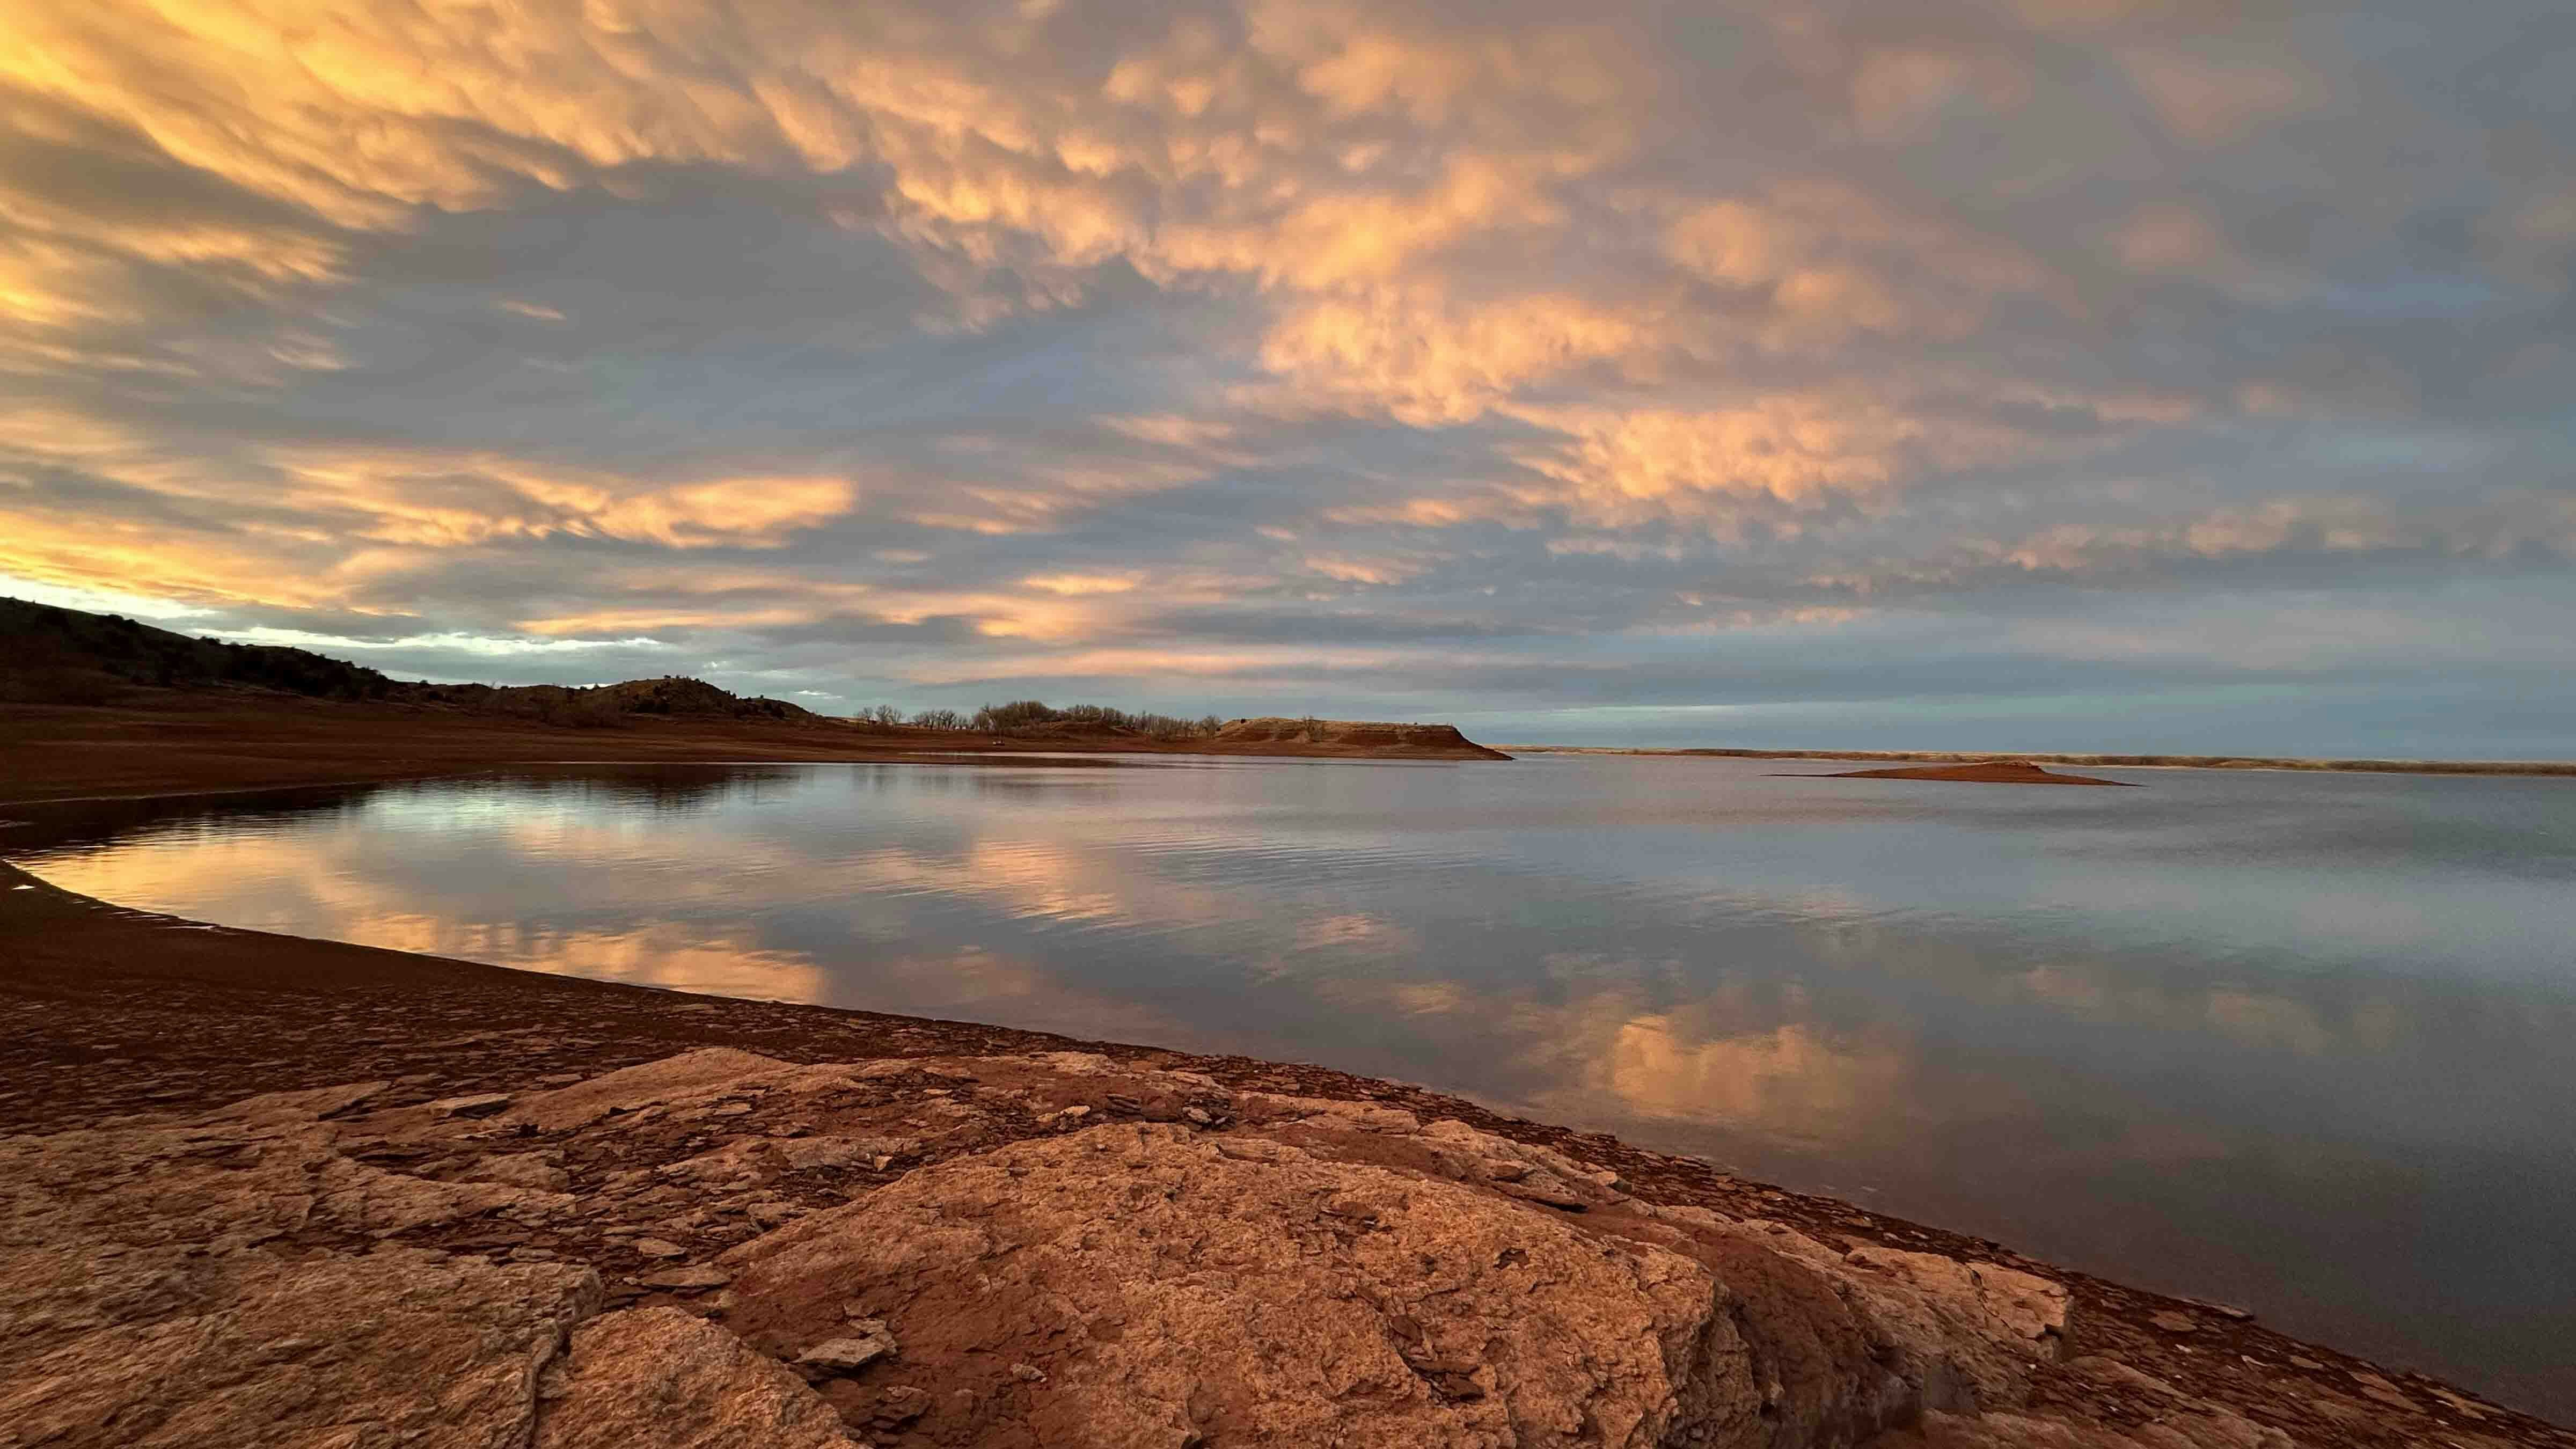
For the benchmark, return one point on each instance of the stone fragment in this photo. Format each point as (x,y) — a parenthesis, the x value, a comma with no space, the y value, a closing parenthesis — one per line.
(2378,1388)
(898,1405)
(705,1072)
(2172,1322)
(868,1341)
(364,1199)
(483,1104)
(280,1108)
(2021,1310)
(659,1248)
(1543,1188)
(1259,1149)
(692,1278)
(804,1154)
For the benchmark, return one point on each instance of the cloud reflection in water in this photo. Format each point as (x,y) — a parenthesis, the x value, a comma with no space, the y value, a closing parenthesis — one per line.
(2107,1033)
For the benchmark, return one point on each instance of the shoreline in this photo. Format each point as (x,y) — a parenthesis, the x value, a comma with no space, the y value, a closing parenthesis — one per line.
(2539,768)
(187,743)
(125,1013)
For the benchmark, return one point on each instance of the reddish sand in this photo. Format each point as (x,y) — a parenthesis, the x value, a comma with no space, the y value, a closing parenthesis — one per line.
(1994,772)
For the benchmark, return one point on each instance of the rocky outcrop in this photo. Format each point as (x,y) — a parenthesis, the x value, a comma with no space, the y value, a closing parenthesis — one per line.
(151,1293)
(1348,737)
(662,1377)
(722,1248)
(1167,1291)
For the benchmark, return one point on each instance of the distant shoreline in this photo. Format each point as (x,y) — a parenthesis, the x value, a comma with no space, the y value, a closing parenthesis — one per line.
(163,742)
(2170,762)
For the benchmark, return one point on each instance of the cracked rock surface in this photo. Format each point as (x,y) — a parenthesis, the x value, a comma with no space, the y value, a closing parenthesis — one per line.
(724,1248)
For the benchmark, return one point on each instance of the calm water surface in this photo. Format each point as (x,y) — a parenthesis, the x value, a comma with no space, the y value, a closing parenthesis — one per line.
(2304,1042)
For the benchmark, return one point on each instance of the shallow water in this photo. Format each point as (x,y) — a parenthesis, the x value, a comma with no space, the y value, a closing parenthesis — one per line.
(2300,1041)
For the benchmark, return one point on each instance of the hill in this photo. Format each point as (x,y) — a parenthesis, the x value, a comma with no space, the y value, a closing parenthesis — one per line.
(672,696)
(97,705)
(1347,736)
(51,655)
(64,656)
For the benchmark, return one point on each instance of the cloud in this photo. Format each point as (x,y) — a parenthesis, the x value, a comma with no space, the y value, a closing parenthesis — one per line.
(1284,344)
(2211,96)
(1426,361)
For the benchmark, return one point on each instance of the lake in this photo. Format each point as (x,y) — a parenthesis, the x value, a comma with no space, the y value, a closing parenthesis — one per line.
(2299,1041)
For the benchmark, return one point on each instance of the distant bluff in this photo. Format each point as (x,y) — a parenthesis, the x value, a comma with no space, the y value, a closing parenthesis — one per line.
(674,695)
(1347,736)
(51,655)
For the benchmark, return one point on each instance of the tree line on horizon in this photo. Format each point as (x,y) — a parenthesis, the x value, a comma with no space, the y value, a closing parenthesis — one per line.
(1035,716)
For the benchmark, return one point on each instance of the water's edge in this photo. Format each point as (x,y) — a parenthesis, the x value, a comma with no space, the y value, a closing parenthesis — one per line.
(215,990)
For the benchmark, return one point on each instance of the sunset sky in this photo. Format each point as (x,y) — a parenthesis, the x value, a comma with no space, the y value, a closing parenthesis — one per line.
(2072,374)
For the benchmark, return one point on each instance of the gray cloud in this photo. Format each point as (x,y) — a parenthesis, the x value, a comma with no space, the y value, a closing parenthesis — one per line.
(1500,360)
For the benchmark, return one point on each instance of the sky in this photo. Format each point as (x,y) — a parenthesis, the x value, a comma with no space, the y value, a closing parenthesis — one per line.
(2179,375)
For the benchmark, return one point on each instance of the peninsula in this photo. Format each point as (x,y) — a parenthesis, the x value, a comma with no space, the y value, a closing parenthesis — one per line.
(92,704)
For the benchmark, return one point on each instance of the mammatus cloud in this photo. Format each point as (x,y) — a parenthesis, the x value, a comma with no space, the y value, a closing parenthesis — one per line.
(910,351)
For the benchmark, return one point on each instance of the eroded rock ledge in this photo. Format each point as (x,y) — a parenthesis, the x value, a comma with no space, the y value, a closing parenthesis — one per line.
(586,1221)
(724,1248)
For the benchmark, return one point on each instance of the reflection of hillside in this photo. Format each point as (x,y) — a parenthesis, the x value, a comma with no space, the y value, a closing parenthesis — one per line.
(660,787)
(85,824)
(986,783)
(76,825)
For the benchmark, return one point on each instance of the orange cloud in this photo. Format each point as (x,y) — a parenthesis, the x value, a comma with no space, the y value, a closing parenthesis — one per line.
(1780,455)
(1427,360)
(1081,583)
(437,499)
(91,553)
(273,524)
(1832,260)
